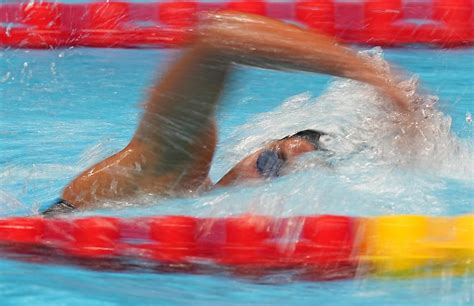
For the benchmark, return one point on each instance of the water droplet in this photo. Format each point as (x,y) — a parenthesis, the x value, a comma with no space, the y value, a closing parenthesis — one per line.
(53,68)
(468,118)
(30,4)
(8,29)
(5,77)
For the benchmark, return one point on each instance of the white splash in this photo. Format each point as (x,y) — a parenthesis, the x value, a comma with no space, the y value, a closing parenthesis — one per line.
(381,161)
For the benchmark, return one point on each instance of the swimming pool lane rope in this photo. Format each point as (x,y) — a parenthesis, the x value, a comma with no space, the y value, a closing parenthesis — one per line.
(325,246)
(444,23)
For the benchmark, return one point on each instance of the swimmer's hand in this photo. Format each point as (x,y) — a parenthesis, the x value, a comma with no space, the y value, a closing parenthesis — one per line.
(398,95)
(391,90)
(362,70)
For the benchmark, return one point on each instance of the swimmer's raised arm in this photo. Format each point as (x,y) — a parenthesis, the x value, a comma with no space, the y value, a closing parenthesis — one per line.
(179,115)
(172,149)
(269,43)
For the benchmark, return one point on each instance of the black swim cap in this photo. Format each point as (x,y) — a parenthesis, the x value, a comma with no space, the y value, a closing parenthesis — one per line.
(270,162)
(311,136)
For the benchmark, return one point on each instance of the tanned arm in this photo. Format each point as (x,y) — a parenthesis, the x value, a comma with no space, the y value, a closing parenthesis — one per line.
(172,149)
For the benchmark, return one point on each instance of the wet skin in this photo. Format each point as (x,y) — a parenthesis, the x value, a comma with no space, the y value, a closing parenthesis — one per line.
(246,169)
(171,151)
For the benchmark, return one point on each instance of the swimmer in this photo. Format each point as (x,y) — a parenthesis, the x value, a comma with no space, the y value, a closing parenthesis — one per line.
(171,151)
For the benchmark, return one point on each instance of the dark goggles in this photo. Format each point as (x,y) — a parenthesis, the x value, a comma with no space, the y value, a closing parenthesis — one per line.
(270,162)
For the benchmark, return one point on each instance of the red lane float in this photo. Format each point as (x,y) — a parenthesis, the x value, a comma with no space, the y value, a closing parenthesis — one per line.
(173,239)
(111,25)
(167,24)
(317,15)
(252,7)
(322,243)
(247,241)
(22,230)
(39,27)
(314,247)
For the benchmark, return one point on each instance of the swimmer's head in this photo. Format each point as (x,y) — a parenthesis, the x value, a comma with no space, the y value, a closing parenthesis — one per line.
(269,161)
(311,136)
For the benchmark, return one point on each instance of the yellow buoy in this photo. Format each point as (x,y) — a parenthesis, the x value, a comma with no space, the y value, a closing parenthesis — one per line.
(417,245)
(396,244)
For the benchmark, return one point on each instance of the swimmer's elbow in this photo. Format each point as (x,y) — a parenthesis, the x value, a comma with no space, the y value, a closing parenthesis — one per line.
(207,33)
(224,32)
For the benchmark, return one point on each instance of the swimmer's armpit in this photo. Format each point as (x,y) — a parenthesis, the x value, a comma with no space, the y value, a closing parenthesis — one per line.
(59,207)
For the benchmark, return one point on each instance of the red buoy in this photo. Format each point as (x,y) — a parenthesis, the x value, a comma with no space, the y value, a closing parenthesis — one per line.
(318,15)
(108,15)
(247,241)
(178,13)
(326,241)
(94,237)
(106,26)
(21,230)
(38,26)
(58,232)
(457,16)
(380,16)
(42,15)
(248,6)
(174,238)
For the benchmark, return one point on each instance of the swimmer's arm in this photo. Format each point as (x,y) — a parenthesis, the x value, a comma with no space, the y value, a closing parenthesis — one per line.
(178,124)
(264,42)
(175,140)
(178,129)
(172,149)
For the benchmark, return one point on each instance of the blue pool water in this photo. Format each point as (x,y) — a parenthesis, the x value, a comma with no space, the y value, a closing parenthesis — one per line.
(63,110)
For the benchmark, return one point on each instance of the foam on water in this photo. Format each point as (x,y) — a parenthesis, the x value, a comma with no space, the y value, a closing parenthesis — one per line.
(380,162)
